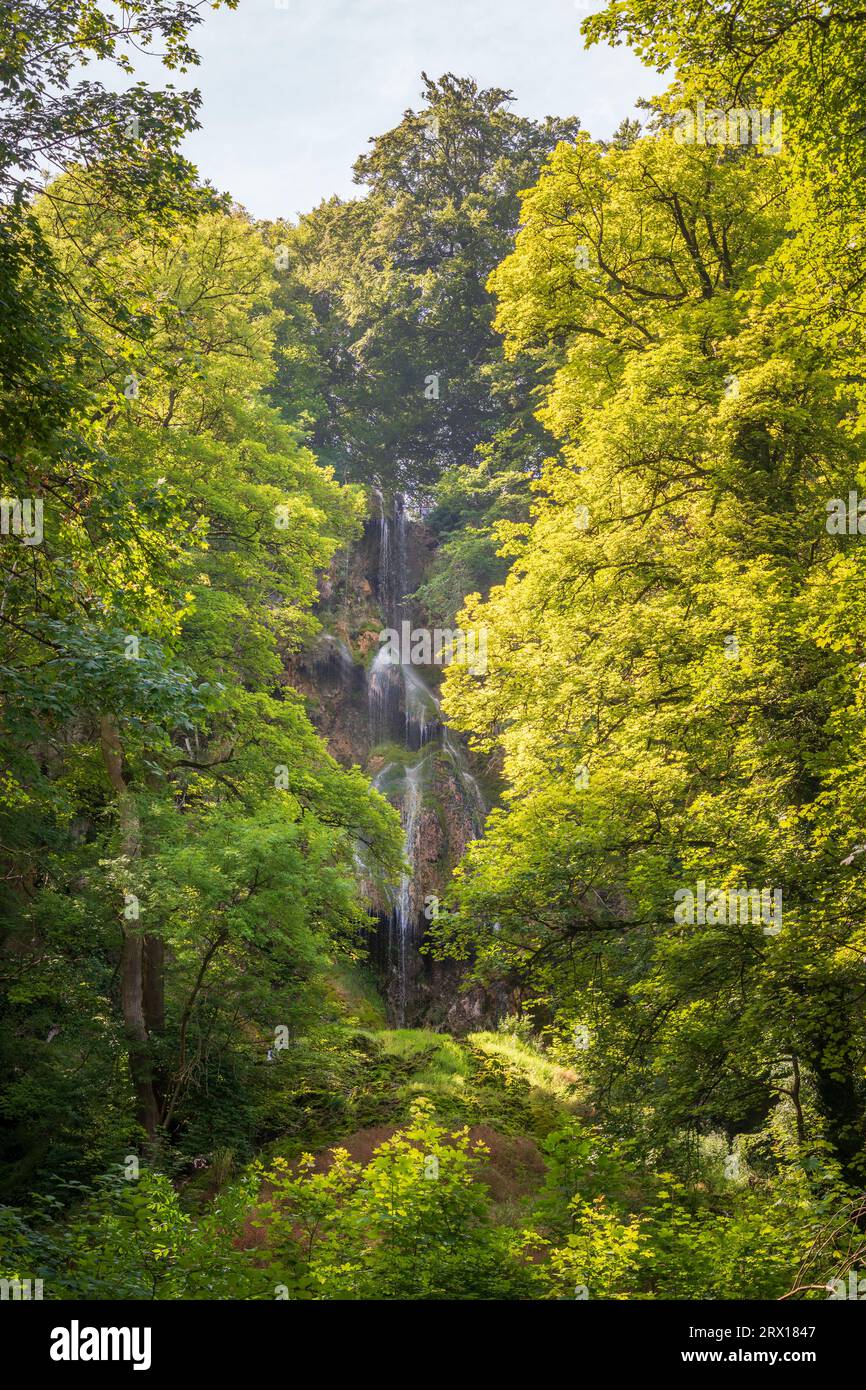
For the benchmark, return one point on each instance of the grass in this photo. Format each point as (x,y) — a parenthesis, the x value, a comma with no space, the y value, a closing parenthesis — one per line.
(396,753)
(368,1077)
(539,1072)
(494,1078)
(443,1066)
(486,1078)
(353,988)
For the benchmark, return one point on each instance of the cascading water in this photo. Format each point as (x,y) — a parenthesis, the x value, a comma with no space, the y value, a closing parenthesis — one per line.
(391,582)
(385,683)
(468,783)
(332,659)
(383,583)
(422,720)
(404,710)
(402,916)
(383,695)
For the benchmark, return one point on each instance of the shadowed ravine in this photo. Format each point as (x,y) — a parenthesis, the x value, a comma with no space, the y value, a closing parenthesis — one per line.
(403,709)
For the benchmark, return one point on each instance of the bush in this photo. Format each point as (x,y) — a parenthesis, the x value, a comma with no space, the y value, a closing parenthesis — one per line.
(412,1224)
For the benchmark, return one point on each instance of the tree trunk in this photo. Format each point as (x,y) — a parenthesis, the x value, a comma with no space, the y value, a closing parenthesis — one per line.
(154,984)
(137,977)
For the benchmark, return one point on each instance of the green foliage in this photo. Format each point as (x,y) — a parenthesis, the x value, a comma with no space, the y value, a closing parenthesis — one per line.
(383,293)
(469,504)
(132,1240)
(616,1228)
(50,119)
(629,487)
(410,1225)
(674,679)
(182,846)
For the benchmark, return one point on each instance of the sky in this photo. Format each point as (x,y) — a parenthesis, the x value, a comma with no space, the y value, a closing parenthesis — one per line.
(293,89)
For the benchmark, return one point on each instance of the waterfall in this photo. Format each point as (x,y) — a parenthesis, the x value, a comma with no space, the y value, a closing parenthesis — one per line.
(421,709)
(385,683)
(402,916)
(402,709)
(332,660)
(391,580)
(383,695)
(466,779)
(384,574)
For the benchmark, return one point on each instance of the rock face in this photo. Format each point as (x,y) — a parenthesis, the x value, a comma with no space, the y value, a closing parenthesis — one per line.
(377,706)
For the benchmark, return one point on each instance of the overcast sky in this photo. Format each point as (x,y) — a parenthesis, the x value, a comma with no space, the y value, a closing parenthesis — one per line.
(292,89)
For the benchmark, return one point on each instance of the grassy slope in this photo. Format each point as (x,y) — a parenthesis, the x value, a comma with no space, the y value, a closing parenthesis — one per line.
(359,1078)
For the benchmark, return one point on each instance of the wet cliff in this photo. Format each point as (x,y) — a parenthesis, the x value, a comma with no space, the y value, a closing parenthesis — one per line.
(377,704)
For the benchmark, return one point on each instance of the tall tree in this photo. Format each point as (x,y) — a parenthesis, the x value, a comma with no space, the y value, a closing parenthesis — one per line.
(673,678)
(145,658)
(387,308)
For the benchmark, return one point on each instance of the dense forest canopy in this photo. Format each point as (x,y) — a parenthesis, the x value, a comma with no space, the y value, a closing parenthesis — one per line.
(386,294)
(619,386)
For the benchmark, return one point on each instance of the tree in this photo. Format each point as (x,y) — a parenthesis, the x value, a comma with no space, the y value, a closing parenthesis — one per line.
(118,149)
(386,301)
(800,60)
(50,120)
(144,662)
(673,675)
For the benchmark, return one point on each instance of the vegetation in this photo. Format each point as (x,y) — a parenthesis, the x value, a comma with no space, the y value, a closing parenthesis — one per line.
(626,382)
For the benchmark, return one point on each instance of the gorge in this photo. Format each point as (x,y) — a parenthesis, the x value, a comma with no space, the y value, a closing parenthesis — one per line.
(379,709)
(329,971)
